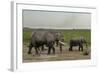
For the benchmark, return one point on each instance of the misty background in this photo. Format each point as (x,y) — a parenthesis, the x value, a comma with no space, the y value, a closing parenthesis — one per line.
(56,20)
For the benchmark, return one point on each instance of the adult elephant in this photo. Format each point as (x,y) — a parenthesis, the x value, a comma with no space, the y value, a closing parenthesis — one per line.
(41,38)
(77,42)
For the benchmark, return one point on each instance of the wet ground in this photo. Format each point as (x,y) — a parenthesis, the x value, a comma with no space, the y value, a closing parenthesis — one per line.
(65,55)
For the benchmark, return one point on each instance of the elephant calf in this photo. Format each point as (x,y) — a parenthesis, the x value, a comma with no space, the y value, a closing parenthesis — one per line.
(77,42)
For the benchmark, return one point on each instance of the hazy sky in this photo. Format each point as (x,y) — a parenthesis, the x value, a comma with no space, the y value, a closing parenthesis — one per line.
(61,20)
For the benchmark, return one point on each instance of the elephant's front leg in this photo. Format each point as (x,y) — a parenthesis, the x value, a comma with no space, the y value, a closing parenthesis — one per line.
(80,47)
(49,50)
(60,48)
(70,49)
(36,51)
(53,50)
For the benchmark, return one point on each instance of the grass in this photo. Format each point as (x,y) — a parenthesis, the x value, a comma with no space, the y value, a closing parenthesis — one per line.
(68,34)
(26,35)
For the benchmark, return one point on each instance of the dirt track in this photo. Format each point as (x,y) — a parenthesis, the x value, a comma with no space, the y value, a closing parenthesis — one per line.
(65,55)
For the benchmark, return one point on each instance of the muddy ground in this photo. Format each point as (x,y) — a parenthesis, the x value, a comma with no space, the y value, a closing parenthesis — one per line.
(65,55)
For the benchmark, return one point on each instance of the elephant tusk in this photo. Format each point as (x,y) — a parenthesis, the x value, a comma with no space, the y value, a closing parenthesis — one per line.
(62,43)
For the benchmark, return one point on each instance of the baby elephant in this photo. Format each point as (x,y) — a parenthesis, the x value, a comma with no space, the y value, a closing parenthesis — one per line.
(77,42)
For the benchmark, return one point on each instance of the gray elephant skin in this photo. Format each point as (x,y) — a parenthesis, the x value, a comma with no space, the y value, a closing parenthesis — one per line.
(77,42)
(41,38)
